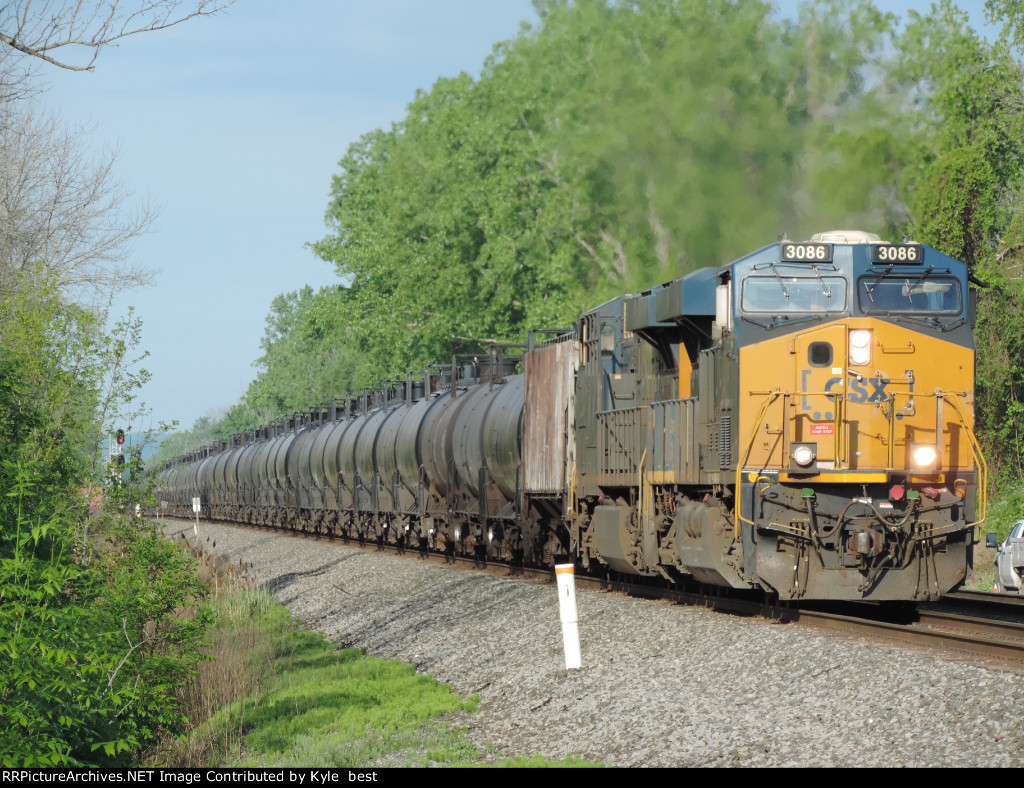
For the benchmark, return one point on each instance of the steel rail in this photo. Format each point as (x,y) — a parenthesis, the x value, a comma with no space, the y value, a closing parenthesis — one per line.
(970,636)
(976,597)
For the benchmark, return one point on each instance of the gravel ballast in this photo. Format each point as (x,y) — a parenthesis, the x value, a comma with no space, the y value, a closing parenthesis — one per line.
(661,684)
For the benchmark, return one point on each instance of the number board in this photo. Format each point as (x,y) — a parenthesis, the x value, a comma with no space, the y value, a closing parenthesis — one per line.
(909,254)
(806,253)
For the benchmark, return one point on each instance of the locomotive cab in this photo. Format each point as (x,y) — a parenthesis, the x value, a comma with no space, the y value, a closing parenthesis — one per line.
(858,467)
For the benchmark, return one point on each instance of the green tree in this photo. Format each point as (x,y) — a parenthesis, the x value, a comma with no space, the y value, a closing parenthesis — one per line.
(964,192)
(614,146)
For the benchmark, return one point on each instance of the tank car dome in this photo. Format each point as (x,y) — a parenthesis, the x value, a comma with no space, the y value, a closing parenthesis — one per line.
(845,237)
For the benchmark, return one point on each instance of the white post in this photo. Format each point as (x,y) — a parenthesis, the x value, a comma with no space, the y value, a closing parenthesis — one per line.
(569,615)
(196,506)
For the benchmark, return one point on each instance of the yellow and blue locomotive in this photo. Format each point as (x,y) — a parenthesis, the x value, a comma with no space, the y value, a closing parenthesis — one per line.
(820,442)
(797,422)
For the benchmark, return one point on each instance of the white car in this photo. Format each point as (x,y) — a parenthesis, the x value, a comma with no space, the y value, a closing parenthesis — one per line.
(1010,561)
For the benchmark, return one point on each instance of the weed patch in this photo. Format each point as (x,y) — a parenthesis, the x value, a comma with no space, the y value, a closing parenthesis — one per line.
(272,694)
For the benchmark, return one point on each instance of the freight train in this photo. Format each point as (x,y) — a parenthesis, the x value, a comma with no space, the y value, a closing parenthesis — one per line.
(798,422)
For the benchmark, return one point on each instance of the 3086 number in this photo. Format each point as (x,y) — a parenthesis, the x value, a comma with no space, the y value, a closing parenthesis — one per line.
(806,252)
(898,253)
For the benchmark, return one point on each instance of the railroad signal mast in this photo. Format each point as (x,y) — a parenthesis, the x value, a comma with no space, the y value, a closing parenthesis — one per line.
(117,448)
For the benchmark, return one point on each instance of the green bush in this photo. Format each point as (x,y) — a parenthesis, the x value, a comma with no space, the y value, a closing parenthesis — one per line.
(99,618)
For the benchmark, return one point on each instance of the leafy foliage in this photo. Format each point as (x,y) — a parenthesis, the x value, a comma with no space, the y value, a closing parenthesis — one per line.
(965,196)
(94,629)
(616,146)
(92,626)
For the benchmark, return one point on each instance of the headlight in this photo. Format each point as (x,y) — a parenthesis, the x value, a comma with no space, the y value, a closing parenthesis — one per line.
(924,457)
(803,454)
(860,348)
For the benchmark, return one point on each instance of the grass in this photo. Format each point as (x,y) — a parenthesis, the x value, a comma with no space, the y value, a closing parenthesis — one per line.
(1003,511)
(983,576)
(337,708)
(273,694)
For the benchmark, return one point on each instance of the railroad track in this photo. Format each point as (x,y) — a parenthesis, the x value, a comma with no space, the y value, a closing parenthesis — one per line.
(990,641)
(991,634)
(983,598)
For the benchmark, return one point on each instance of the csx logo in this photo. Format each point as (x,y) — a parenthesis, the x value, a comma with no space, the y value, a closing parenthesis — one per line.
(856,389)
(862,390)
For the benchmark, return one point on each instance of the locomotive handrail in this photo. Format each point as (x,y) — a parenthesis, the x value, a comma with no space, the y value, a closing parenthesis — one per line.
(772,396)
(839,398)
(890,453)
(954,399)
(841,460)
(645,500)
(840,417)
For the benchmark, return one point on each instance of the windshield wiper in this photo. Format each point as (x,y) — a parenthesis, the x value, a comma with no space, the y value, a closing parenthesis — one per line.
(824,287)
(874,284)
(778,320)
(782,284)
(910,288)
(809,318)
(759,324)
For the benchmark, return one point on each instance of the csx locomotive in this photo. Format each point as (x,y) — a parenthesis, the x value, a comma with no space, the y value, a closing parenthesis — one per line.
(797,422)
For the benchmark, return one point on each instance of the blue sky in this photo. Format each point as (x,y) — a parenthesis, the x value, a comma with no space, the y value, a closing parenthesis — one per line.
(234,125)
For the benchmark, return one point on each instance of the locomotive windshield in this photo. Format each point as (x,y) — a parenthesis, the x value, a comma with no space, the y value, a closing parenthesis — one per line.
(786,294)
(904,294)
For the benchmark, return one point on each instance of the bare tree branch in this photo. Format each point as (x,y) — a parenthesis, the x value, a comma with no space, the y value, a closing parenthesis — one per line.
(132,647)
(61,209)
(16,79)
(52,30)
